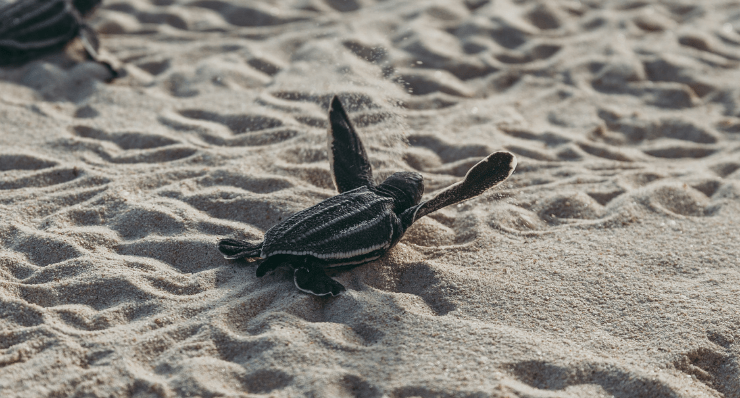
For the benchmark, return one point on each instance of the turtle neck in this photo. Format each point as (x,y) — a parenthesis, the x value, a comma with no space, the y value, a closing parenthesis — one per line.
(402,200)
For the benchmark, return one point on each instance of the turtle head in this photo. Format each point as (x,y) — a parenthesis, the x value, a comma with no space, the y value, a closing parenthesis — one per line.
(406,187)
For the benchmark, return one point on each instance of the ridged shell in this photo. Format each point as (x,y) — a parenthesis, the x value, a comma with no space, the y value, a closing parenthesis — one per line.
(354,227)
(28,27)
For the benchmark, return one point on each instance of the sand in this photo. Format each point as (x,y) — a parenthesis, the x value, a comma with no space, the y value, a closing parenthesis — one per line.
(607,265)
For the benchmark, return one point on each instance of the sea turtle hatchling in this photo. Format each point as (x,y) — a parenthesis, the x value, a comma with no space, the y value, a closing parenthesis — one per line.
(31,28)
(361,223)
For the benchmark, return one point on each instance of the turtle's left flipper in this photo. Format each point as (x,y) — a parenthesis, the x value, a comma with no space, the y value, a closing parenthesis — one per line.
(487,173)
(347,157)
(310,277)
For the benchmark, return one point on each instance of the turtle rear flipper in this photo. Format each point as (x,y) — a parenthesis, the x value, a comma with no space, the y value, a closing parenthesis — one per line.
(234,249)
(273,262)
(487,173)
(347,157)
(310,277)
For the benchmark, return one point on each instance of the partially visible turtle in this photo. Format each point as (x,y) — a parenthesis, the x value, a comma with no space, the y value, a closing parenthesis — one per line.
(361,223)
(31,28)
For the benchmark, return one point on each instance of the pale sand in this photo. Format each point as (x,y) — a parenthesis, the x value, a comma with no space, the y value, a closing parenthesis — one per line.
(608,265)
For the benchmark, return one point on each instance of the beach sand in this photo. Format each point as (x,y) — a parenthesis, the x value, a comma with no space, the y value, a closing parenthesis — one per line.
(607,265)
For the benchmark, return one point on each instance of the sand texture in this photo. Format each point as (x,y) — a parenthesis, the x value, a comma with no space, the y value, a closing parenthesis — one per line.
(607,265)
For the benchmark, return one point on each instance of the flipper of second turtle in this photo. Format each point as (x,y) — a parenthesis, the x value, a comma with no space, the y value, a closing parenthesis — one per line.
(234,249)
(90,42)
(486,174)
(310,277)
(347,157)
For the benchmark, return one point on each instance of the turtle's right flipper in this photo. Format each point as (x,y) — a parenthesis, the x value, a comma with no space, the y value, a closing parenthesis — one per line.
(234,249)
(310,277)
(487,173)
(347,157)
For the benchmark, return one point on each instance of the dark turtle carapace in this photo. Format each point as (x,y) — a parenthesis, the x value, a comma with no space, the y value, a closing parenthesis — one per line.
(364,221)
(32,28)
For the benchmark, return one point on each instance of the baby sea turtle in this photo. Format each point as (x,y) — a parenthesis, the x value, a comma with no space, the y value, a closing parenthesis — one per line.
(31,28)
(364,221)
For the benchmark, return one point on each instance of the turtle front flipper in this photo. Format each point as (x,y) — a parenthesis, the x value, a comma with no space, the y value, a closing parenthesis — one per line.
(310,277)
(90,42)
(347,157)
(234,249)
(487,173)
